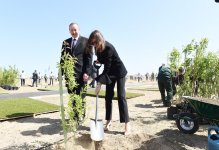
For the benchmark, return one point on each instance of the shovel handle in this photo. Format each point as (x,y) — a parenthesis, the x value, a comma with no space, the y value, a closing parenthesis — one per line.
(96,109)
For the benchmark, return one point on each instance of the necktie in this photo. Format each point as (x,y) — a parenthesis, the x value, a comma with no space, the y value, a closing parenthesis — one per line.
(73,43)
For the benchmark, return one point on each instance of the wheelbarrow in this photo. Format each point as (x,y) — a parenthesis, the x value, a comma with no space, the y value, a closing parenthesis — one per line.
(207,109)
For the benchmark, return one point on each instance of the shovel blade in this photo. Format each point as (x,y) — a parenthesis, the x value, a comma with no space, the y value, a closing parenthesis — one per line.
(96,130)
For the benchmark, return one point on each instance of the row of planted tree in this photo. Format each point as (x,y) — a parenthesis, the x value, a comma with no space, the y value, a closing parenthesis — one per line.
(201,77)
(8,76)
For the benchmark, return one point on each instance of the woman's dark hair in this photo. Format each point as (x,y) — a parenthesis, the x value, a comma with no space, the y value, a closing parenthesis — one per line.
(99,39)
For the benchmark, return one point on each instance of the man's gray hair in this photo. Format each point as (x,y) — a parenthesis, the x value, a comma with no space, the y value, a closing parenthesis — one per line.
(73,23)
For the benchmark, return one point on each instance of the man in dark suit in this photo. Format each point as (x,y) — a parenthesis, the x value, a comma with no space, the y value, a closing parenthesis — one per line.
(77,44)
(35,78)
(76,47)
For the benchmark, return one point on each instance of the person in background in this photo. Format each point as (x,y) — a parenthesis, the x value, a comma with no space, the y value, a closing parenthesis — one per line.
(139,77)
(114,72)
(178,79)
(51,77)
(39,77)
(45,79)
(146,76)
(35,78)
(165,84)
(156,76)
(152,76)
(22,77)
(163,65)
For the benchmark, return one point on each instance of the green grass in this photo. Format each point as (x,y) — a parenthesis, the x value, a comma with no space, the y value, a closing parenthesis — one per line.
(102,94)
(23,106)
(144,89)
(51,88)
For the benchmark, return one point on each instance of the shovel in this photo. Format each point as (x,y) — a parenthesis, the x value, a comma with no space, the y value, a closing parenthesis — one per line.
(96,126)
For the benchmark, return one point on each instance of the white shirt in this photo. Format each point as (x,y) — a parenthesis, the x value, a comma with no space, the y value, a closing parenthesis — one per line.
(51,75)
(22,75)
(75,41)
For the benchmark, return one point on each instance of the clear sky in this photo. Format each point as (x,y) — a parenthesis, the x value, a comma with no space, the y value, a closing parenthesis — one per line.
(142,31)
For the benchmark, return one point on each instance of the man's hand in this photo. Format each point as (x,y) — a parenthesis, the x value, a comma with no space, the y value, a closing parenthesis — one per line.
(85,77)
(97,62)
(98,88)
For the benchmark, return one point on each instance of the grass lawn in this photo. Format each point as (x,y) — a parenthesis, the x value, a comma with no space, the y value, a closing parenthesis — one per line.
(23,106)
(51,88)
(144,89)
(102,94)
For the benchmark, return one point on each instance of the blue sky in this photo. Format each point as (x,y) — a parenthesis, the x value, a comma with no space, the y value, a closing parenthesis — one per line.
(143,32)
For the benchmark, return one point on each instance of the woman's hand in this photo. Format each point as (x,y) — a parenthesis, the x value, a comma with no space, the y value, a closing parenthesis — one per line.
(98,88)
(85,77)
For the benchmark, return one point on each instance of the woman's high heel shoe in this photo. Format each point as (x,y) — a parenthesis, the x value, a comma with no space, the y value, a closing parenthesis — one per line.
(107,127)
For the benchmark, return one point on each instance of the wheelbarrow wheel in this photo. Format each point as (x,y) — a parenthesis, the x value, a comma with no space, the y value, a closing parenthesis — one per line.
(187,123)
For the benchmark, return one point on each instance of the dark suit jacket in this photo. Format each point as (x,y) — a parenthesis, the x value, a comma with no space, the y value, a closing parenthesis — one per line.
(113,65)
(84,61)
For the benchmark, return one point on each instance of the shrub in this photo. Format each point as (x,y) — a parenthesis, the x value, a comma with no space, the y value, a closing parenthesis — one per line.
(201,76)
(8,76)
(76,105)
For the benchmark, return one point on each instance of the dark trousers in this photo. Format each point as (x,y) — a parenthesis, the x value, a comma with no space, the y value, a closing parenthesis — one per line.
(79,90)
(174,88)
(81,86)
(92,84)
(34,81)
(51,81)
(123,108)
(165,84)
(22,82)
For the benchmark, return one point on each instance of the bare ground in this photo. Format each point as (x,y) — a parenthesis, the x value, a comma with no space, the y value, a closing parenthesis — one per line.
(151,130)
